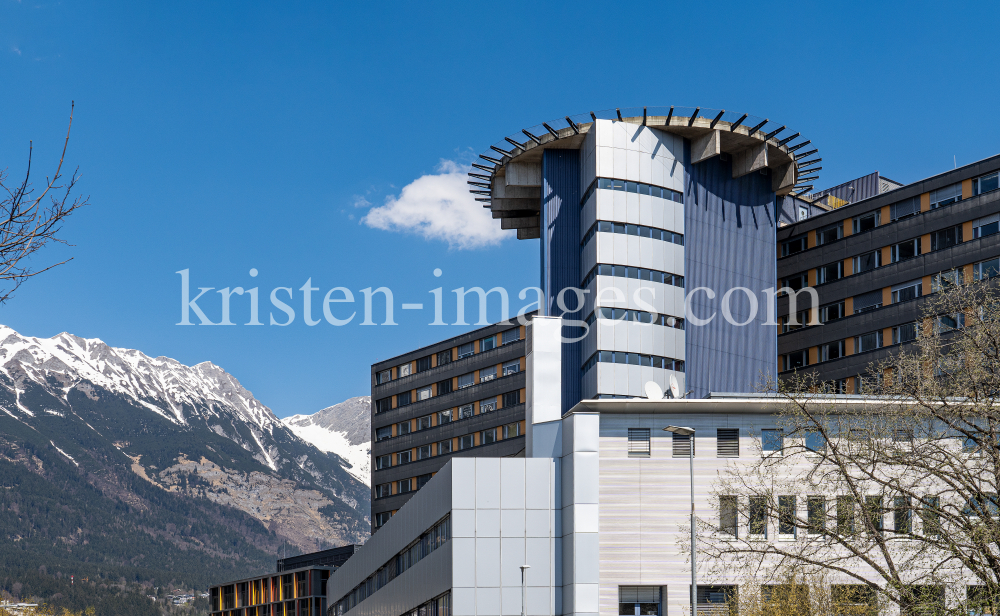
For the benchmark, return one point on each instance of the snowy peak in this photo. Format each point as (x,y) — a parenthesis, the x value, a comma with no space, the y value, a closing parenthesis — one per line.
(343,429)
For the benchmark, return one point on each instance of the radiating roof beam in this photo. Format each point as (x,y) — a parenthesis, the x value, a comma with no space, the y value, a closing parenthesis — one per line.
(809,179)
(480,176)
(810,169)
(576,129)
(480,192)
(504,152)
(491,159)
(798,145)
(757,128)
(717,118)
(549,128)
(787,139)
(517,145)
(810,162)
(486,199)
(804,154)
(532,137)
(801,191)
(619,112)
(484,185)
(694,116)
(592,116)
(643,115)
(733,126)
(773,133)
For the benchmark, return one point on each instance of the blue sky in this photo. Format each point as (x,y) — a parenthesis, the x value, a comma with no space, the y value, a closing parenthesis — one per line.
(220,137)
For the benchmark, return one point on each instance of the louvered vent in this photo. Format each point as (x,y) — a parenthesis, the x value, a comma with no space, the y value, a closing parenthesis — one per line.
(638,442)
(728,443)
(682,442)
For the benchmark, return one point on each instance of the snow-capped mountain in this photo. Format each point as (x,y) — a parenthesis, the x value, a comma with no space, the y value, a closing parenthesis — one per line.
(187,430)
(343,429)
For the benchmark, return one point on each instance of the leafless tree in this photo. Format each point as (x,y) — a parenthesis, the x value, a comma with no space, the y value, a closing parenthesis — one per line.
(893,492)
(29,222)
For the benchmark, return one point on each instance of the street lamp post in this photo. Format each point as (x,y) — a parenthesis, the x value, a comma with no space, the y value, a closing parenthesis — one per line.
(689,432)
(524,607)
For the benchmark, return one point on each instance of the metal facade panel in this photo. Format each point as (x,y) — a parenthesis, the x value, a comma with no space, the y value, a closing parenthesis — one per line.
(729,242)
(560,254)
(864,187)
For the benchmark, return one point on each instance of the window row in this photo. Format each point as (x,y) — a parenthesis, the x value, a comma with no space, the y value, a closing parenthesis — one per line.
(447,416)
(635,316)
(637,273)
(445,447)
(447,386)
(273,589)
(604,226)
(727,443)
(429,541)
(632,187)
(633,359)
(447,356)
(904,209)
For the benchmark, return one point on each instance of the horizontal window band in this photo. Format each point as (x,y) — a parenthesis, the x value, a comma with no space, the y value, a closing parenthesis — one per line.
(607,226)
(635,316)
(638,273)
(633,359)
(640,188)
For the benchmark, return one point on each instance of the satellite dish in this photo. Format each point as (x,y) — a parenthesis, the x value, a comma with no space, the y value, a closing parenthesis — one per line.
(675,389)
(653,390)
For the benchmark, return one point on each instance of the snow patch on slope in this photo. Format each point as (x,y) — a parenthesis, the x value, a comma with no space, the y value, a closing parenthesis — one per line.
(331,441)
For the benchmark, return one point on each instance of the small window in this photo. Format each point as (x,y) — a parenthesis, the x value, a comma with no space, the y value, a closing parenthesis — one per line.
(728,515)
(868,301)
(444,447)
(987,269)
(728,442)
(465,411)
(815,442)
(845,516)
(487,344)
(487,374)
(466,350)
(831,312)
(798,281)
(383,405)
(986,226)
(902,514)
(930,516)
(488,405)
(772,441)
(423,452)
(946,238)
(444,387)
(904,209)
(868,342)
(904,333)
(446,416)
(986,183)
(467,380)
(424,393)
(949,322)
(831,272)
(794,245)
(466,442)
(512,367)
(832,350)
(797,359)
(381,518)
(383,490)
(488,436)
(816,514)
(512,429)
(383,462)
(511,398)
(424,422)
(444,357)
(867,261)
(511,335)
(638,600)
(638,443)
(404,486)
(423,479)
(404,457)
(402,428)
(904,251)
(403,399)
(801,320)
(403,370)
(906,291)
(946,196)
(866,222)
(947,279)
(383,433)
(383,377)
(786,516)
(803,212)
(424,363)
(874,513)
(683,445)
(758,516)
(829,234)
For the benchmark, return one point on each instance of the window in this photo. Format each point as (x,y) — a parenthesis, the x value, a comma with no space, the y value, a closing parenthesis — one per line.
(446,416)
(424,393)
(833,350)
(423,479)
(424,363)
(403,427)
(383,433)
(867,261)
(634,187)
(874,514)
(772,441)
(798,281)
(638,600)
(815,441)
(986,226)
(758,516)
(488,436)
(906,291)
(904,209)
(444,387)
(902,514)
(487,344)
(488,405)
(638,442)
(831,272)
(467,380)
(845,515)
(831,312)
(403,399)
(829,234)
(444,447)
(786,516)
(793,246)
(856,599)
(947,279)
(512,367)
(868,342)
(728,515)
(383,405)
(511,398)
(404,457)
(866,222)
(444,357)
(635,273)
(512,429)
(606,226)
(634,359)
(381,518)
(987,269)
(383,462)
(986,183)
(801,319)
(404,485)
(728,442)
(511,335)
(904,251)
(930,516)
(904,333)
(683,445)
(816,514)
(383,377)
(466,442)
(465,411)
(868,301)
(383,490)
(949,322)
(487,374)
(403,370)
(466,350)
(423,452)
(803,212)
(946,238)
(795,360)
(946,196)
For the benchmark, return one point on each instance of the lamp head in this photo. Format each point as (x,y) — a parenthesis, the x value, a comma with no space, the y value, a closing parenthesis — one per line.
(681,430)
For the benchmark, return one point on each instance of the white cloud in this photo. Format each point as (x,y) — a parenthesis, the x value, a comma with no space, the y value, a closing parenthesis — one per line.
(360,201)
(439,207)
